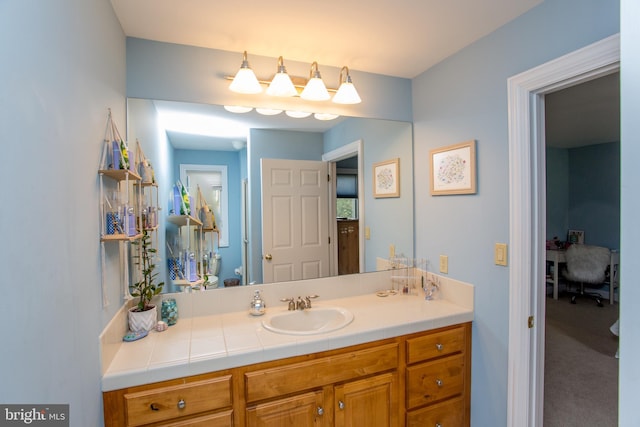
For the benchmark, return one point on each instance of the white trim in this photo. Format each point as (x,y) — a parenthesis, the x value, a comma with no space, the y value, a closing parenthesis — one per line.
(344,152)
(527,218)
(224,195)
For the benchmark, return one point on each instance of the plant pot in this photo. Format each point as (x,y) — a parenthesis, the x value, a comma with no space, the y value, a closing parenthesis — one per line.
(142,320)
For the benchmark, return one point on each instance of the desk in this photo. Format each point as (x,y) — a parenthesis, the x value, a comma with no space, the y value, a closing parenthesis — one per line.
(557,257)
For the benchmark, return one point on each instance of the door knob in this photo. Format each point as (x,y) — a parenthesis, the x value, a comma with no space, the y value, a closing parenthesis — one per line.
(268,257)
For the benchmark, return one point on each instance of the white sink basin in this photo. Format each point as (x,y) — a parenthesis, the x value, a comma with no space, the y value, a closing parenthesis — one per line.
(316,320)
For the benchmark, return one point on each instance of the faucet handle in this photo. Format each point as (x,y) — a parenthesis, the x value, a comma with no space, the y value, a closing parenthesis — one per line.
(292,304)
(308,299)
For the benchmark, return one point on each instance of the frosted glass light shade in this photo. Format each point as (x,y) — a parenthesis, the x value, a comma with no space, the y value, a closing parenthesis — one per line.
(237,108)
(315,90)
(297,114)
(268,111)
(347,94)
(326,116)
(281,85)
(245,81)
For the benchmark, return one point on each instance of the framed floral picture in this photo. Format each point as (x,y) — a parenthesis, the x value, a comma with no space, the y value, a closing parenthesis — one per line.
(386,178)
(453,169)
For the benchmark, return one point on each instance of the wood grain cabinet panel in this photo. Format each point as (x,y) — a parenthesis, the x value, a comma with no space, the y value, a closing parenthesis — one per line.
(433,381)
(281,380)
(305,410)
(446,414)
(148,406)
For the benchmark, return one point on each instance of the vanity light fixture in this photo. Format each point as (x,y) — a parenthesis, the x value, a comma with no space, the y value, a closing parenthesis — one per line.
(315,90)
(347,93)
(297,114)
(271,112)
(281,85)
(325,116)
(237,109)
(245,80)
(268,111)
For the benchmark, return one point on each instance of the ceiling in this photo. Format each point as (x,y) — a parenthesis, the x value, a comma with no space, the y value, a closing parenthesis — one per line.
(399,38)
(584,114)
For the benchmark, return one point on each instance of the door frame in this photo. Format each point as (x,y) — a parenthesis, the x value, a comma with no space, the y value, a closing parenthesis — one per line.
(348,150)
(527,216)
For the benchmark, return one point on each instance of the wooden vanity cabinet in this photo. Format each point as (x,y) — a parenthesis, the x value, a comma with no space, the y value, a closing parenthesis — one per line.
(421,379)
(438,378)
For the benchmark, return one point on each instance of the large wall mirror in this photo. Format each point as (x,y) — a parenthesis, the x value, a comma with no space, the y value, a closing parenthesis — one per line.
(192,139)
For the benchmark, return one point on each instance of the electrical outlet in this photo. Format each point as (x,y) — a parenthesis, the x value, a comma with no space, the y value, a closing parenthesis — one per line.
(500,254)
(444,264)
(392,251)
(367,232)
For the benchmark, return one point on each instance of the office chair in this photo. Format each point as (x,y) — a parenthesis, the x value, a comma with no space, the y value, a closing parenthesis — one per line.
(587,264)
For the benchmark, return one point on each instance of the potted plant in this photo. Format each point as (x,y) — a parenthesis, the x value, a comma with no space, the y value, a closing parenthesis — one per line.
(143,316)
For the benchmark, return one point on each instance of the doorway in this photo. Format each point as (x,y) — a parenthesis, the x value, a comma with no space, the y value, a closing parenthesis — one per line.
(354,149)
(527,217)
(582,163)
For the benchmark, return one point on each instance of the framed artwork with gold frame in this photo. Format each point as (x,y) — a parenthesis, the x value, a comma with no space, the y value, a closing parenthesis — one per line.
(453,169)
(386,178)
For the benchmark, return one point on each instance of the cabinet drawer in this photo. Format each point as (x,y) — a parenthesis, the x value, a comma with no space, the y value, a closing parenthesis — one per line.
(450,413)
(282,380)
(436,380)
(220,419)
(161,404)
(436,345)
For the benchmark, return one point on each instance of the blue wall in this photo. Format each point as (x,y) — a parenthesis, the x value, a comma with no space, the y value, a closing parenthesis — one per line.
(465,97)
(383,140)
(585,183)
(63,67)
(557,165)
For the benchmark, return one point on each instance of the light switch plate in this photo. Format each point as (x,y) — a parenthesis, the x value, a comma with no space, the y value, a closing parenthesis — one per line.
(444,264)
(367,232)
(392,251)
(500,254)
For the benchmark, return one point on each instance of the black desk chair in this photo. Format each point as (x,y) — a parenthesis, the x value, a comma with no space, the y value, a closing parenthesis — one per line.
(587,264)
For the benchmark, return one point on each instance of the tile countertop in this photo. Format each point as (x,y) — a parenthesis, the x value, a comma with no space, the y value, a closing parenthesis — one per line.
(211,342)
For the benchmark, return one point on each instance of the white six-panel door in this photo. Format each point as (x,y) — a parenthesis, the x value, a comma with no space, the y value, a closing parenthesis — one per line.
(295,220)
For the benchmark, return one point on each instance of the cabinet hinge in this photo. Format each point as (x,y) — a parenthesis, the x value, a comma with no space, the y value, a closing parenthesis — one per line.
(530,322)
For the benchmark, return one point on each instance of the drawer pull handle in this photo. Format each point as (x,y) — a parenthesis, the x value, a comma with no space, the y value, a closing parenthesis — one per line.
(340,404)
(439,347)
(320,411)
(181,404)
(154,407)
(439,382)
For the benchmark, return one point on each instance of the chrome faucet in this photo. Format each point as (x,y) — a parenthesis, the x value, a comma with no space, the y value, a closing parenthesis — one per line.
(300,304)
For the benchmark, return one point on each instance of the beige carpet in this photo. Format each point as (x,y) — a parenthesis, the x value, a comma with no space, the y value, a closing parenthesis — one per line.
(581,372)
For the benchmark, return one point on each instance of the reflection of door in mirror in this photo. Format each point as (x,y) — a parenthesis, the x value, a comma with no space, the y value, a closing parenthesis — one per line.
(212,181)
(346,192)
(295,216)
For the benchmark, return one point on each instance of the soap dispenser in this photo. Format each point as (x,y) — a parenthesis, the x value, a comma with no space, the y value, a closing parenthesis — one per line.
(257,305)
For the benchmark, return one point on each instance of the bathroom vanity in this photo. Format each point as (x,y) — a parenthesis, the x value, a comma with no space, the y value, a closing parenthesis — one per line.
(401,361)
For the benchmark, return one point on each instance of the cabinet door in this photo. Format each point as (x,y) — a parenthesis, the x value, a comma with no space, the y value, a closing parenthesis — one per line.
(371,402)
(304,410)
